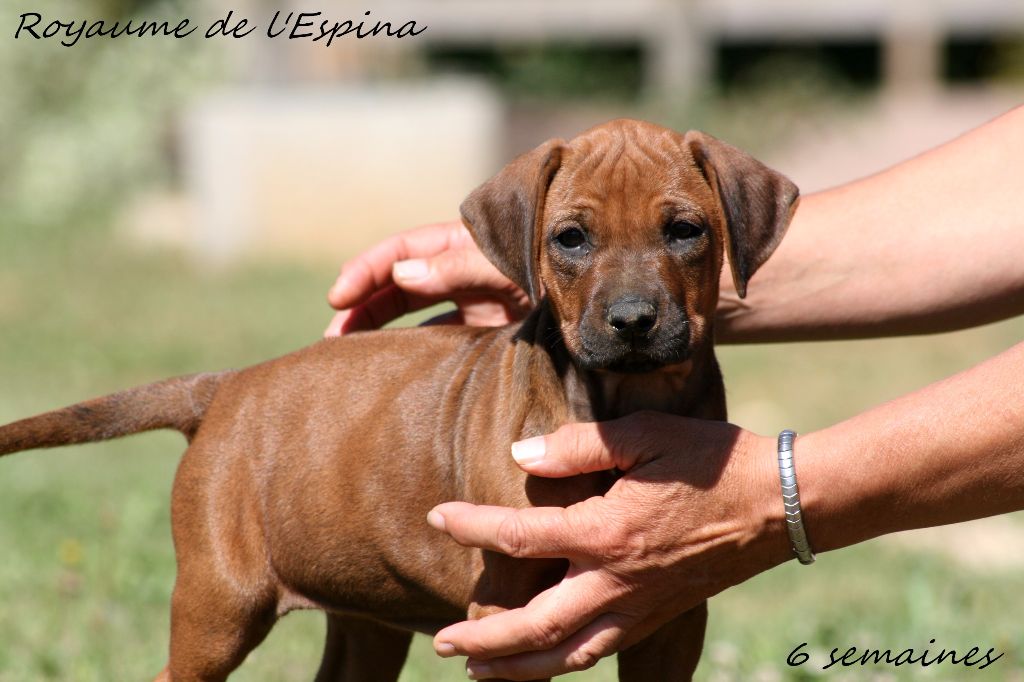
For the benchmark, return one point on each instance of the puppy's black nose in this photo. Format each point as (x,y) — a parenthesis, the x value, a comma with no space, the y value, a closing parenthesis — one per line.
(631,317)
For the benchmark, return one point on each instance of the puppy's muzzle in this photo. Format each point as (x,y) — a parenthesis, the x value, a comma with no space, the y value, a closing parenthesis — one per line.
(632,318)
(636,333)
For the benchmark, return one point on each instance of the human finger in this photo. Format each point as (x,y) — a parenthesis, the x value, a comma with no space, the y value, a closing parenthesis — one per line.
(582,650)
(548,619)
(384,306)
(371,270)
(533,532)
(455,270)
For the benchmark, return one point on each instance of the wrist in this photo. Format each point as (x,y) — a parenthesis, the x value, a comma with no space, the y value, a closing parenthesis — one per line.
(767,514)
(842,494)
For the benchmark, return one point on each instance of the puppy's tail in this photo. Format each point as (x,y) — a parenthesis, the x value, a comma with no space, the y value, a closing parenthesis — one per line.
(178,404)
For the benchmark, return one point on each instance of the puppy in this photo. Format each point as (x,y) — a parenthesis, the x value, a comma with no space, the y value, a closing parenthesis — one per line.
(307,478)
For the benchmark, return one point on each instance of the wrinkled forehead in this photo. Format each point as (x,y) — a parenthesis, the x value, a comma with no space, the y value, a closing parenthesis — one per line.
(632,171)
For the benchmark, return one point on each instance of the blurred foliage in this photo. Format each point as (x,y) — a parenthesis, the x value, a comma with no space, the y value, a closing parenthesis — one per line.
(82,125)
(1008,62)
(760,97)
(568,71)
(846,65)
(548,72)
(769,102)
(995,60)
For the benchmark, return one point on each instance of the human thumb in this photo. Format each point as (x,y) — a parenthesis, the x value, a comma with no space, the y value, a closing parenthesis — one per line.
(449,272)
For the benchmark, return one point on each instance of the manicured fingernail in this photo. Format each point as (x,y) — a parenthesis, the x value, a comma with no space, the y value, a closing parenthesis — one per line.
(478,671)
(529,451)
(444,649)
(410,270)
(435,520)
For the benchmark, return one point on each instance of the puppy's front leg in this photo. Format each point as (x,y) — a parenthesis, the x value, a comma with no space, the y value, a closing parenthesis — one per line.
(507,583)
(670,654)
(362,650)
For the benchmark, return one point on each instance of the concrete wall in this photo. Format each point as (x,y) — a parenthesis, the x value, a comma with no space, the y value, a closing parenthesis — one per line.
(310,172)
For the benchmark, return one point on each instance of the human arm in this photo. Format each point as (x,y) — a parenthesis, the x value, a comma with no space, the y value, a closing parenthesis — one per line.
(678,528)
(931,244)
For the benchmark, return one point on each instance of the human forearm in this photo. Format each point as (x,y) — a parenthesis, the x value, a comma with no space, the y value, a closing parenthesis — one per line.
(929,245)
(951,452)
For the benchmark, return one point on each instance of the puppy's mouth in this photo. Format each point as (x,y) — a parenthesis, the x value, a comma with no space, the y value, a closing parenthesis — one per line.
(640,364)
(633,363)
(633,358)
(595,348)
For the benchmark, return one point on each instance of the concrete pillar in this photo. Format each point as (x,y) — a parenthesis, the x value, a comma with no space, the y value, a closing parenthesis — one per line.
(679,55)
(912,49)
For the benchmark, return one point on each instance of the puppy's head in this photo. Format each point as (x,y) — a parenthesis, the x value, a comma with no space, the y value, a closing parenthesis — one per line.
(624,229)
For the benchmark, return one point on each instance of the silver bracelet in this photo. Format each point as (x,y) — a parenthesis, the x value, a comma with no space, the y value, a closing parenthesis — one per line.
(791,500)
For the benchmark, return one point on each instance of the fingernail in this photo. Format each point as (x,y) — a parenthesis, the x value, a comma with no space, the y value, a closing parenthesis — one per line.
(337,322)
(338,287)
(435,520)
(410,270)
(478,671)
(529,451)
(444,649)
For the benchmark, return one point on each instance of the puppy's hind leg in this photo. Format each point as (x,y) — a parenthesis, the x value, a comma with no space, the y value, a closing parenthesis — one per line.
(214,626)
(362,650)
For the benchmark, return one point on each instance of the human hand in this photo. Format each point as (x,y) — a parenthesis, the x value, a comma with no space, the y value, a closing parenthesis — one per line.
(697,510)
(416,269)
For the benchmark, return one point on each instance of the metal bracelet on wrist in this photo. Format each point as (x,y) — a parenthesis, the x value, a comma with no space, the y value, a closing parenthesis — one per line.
(791,500)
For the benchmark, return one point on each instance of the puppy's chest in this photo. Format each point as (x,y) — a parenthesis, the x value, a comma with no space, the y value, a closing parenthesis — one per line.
(678,390)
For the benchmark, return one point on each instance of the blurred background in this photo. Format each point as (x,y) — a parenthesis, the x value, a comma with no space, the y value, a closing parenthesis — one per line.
(176,206)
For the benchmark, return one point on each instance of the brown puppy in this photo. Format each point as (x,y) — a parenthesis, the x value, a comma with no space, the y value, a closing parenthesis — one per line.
(307,478)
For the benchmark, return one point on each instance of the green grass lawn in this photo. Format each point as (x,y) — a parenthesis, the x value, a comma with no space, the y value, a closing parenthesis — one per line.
(87,563)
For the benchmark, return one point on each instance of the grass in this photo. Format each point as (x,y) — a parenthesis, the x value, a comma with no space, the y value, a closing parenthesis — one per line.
(88,564)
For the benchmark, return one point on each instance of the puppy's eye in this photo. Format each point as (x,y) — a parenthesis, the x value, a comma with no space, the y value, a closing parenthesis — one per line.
(680,230)
(572,238)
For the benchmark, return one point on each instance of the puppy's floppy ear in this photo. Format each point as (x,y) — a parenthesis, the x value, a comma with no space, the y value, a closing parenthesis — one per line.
(504,213)
(756,201)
